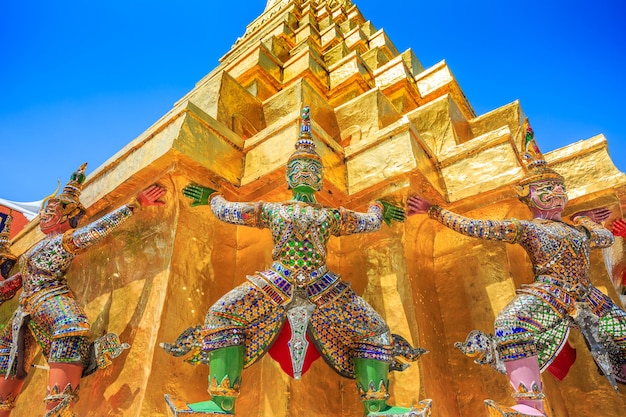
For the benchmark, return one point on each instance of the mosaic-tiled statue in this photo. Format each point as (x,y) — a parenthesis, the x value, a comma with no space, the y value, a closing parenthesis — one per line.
(48,315)
(297,292)
(532,330)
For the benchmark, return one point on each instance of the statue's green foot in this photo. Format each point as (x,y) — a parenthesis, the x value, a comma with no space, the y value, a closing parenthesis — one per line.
(496,410)
(179,408)
(420,410)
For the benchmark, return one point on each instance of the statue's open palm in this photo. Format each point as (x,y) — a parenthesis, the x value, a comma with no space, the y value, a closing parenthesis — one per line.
(198,194)
(392,213)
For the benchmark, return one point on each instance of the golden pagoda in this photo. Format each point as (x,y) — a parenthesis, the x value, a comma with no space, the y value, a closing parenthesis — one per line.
(385,126)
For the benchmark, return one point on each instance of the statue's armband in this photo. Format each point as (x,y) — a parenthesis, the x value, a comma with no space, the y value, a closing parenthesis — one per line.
(598,236)
(9,287)
(68,242)
(258,215)
(77,240)
(518,227)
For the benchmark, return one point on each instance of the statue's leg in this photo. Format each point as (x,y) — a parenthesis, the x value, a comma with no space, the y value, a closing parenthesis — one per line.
(372,382)
(222,342)
(225,367)
(63,382)
(612,329)
(11,386)
(67,358)
(525,377)
(372,352)
(357,320)
(9,390)
(518,327)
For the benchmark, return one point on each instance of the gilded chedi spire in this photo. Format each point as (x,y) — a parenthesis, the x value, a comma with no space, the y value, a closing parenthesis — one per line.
(331,3)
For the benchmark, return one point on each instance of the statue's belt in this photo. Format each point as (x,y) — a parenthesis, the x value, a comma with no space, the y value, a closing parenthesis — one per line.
(577,289)
(321,286)
(30,300)
(562,296)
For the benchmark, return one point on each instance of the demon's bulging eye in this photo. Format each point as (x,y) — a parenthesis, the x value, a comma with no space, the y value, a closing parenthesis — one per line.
(544,188)
(314,168)
(550,187)
(295,166)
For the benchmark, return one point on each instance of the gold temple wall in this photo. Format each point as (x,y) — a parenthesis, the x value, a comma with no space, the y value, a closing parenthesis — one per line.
(385,127)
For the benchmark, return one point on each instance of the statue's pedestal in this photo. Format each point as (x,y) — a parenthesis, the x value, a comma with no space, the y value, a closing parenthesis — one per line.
(422,409)
(179,408)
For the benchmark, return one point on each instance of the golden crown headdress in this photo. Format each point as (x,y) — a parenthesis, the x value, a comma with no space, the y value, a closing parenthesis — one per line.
(305,147)
(70,196)
(537,167)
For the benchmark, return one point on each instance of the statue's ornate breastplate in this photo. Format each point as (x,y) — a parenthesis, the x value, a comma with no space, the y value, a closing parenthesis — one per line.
(43,269)
(300,233)
(558,250)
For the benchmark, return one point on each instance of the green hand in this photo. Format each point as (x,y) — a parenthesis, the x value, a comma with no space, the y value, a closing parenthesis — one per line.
(199,194)
(392,213)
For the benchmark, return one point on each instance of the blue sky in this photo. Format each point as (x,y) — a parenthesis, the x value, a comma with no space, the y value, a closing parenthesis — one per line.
(79,80)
